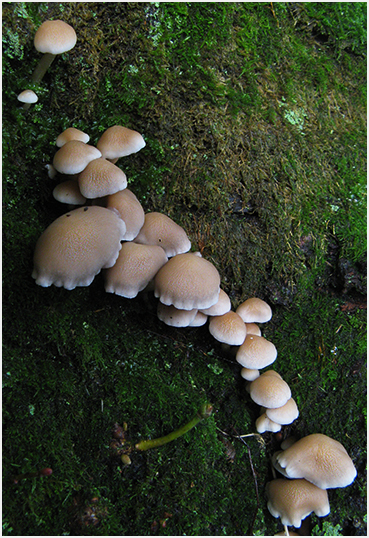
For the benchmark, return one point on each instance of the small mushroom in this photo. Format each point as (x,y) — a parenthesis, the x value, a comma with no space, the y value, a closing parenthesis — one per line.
(129,209)
(269,390)
(256,352)
(249,374)
(118,141)
(68,192)
(254,310)
(27,96)
(76,246)
(74,156)
(161,230)
(321,460)
(285,414)
(222,306)
(71,134)
(294,500)
(175,317)
(101,178)
(52,38)
(228,328)
(265,424)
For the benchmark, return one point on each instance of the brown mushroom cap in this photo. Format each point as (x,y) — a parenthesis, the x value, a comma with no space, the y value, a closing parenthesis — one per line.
(76,246)
(188,281)
(254,310)
(256,352)
(228,328)
(319,459)
(27,96)
(101,178)
(130,210)
(285,414)
(68,192)
(222,306)
(175,317)
(55,37)
(293,500)
(270,391)
(74,156)
(135,267)
(71,134)
(118,141)
(252,328)
(161,230)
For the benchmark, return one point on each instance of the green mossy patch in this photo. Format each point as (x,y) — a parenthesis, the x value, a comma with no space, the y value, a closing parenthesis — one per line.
(254,120)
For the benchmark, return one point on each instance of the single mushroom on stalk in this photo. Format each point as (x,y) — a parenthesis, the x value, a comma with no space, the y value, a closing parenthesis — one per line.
(71,133)
(159,229)
(118,141)
(28,97)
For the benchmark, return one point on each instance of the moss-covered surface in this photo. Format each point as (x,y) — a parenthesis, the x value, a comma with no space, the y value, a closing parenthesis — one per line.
(254,119)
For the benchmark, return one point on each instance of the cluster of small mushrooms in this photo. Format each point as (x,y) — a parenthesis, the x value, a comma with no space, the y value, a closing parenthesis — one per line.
(148,251)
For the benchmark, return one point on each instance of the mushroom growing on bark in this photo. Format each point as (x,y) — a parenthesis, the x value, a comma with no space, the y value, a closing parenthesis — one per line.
(71,134)
(101,178)
(74,156)
(129,209)
(254,310)
(161,230)
(228,328)
(118,141)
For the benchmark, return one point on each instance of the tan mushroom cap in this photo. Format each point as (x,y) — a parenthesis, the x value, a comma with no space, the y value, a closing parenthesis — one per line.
(161,230)
(175,317)
(71,134)
(228,328)
(55,37)
(74,156)
(285,414)
(252,328)
(76,246)
(256,352)
(222,306)
(188,281)
(254,310)
(68,192)
(27,96)
(199,320)
(118,141)
(101,178)
(294,500)
(135,267)
(264,424)
(270,391)
(249,374)
(130,210)
(319,459)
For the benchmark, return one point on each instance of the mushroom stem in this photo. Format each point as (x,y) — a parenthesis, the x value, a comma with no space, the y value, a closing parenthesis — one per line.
(286,530)
(204,412)
(43,65)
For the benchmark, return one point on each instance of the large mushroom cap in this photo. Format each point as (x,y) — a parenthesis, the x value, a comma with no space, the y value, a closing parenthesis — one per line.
(294,500)
(136,266)
(161,230)
(188,281)
(55,37)
(76,246)
(74,156)
(130,210)
(101,178)
(256,352)
(319,459)
(118,141)
(254,310)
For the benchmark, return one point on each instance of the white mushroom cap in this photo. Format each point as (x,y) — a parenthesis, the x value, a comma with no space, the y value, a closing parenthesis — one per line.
(256,352)
(130,210)
(285,414)
(68,192)
(175,317)
(254,310)
(55,37)
(101,178)
(270,391)
(76,246)
(118,141)
(264,424)
(249,374)
(294,500)
(188,281)
(71,134)
(199,320)
(222,306)
(228,328)
(319,459)
(27,96)
(135,267)
(161,230)
(74,156)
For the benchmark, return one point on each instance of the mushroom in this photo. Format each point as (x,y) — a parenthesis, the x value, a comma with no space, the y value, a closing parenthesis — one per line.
(76,246)
(249,374)
(74,156)
(252,328)
(319,459)
(199,320)
(175,317)
(130,210)
(285,414)
(118,141)
(27,96)
(68,192)
(52,38)
(228,328)
(188,281)
(135,267)
(222,306)
(270,391)
(161,230)
(293,500)
(254,310)
(71,134)
(101,178)
(265,424)
(256,352)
